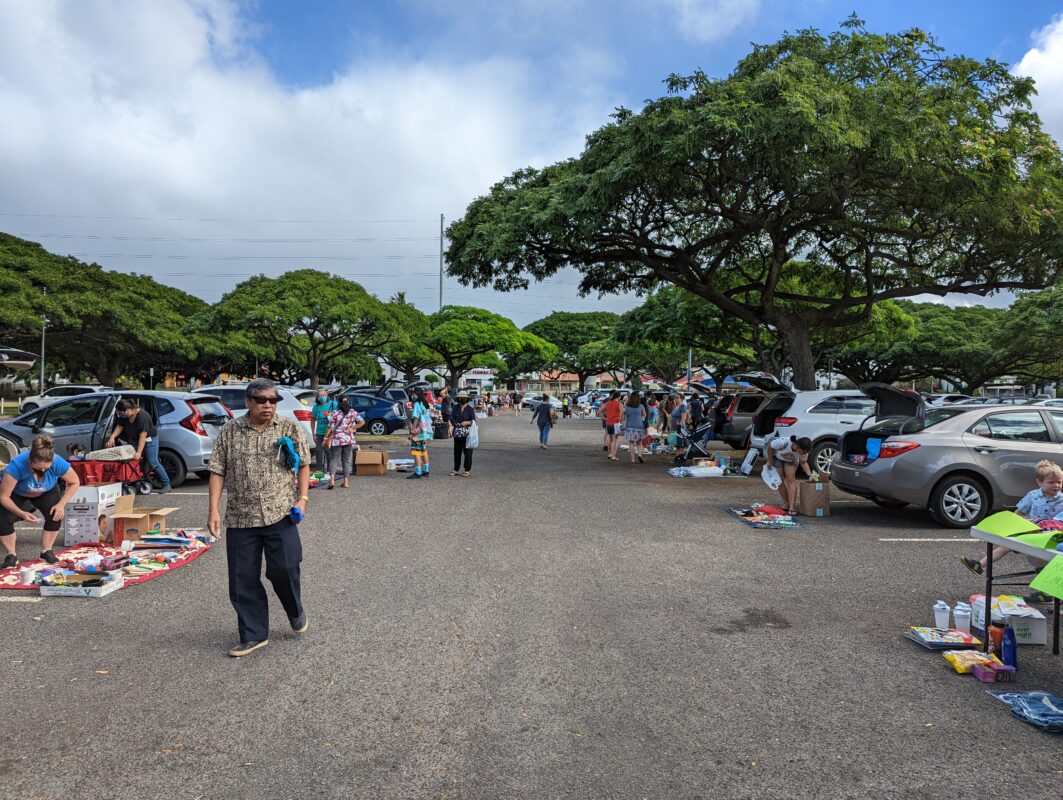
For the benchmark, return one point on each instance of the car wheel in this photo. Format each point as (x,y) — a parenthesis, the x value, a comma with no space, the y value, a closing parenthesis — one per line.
(174,466)
(28,407)
(959,502)
(822,455)
(883,502)
(204,475)
(378,427)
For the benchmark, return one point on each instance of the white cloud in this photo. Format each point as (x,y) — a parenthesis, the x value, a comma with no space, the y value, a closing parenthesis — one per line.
(711,20)
(1044,63)
(164,110)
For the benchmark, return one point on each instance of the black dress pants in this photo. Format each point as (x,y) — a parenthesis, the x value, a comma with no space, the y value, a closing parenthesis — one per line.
(284,552)
(460,447)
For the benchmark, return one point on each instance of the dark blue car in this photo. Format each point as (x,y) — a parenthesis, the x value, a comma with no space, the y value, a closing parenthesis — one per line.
(382,414)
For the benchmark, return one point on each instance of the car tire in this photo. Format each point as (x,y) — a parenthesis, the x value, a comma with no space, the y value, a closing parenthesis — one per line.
(883,502)
(204,475)
(378,428)
(959,501)
(28,407)
(174,466)
(822,455)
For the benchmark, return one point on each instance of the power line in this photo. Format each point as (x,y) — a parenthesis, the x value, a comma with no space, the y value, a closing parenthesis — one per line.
(163,257)
(244,240)
(205,219)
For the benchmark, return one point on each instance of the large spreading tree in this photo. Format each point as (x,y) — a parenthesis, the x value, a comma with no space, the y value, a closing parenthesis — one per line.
(569,331)
(892,169)
(464,337)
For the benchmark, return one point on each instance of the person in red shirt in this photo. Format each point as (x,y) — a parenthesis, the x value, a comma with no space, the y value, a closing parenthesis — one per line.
(613,413)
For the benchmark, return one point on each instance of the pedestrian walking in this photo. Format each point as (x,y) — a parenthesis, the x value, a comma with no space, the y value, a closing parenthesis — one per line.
(249,462)
(543,416)
(420,434)
(462,418)
(635,426)
(31,480)
(612,416)
(319,414)
(518,398)
(342,423)
(137,429)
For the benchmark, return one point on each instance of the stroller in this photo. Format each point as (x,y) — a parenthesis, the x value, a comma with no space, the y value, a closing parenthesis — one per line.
(129,473)
(697,439)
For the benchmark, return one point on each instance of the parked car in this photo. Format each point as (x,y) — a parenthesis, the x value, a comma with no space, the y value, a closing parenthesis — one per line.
(382,415)
(822,416)
(57,392)
(9,448)
(948,399)
(1009,400)
(534,399)
(958,462)
(233,395)
(188,423)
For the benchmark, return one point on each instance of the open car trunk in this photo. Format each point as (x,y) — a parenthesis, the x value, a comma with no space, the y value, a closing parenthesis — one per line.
(861,447)
(764,421)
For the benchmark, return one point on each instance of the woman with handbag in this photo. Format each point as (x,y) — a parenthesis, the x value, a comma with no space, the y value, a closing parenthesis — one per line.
(462,420)
(339,439)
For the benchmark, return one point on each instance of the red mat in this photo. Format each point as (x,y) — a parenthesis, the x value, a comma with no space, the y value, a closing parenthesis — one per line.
(9,578)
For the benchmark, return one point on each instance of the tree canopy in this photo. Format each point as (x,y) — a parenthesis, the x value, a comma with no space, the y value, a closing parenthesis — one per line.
(569,332)
(464,337)
(890,168)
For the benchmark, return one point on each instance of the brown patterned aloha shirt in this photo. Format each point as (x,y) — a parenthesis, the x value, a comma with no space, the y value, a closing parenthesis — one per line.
(261,489)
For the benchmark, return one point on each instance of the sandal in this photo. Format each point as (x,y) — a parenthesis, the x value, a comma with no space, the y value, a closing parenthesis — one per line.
(454,474)
(466,475)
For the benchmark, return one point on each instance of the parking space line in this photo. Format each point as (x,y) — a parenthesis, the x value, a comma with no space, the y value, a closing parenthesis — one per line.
(17,599)
(949,539)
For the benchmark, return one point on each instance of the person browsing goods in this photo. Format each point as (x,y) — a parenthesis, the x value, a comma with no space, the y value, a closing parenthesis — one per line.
(31,480)
(612,414)
(323,407)
(136,429)
(462,418)
(789,454)
(260,514)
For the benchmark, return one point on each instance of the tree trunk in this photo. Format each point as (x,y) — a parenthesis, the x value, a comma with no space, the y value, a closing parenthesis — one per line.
(799,344)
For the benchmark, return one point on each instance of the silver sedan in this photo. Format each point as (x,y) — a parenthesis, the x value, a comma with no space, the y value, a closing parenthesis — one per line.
(960,462)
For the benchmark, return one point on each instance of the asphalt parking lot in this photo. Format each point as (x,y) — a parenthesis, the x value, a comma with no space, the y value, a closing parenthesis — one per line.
(558,626)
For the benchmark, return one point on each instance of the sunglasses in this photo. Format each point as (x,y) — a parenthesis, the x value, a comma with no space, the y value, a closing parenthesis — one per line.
(262,400)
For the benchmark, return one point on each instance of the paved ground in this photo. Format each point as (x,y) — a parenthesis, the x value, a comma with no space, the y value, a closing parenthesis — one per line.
(556,627)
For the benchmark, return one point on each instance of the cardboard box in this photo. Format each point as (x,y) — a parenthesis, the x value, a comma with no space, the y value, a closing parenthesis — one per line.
(84,591)
(813,499)
(1031,629)
(89,516)
(134,522)
(371,462)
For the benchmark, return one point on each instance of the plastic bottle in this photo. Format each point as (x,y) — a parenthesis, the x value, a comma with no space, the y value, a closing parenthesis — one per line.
(1009,647)
(962,614)
(941,614)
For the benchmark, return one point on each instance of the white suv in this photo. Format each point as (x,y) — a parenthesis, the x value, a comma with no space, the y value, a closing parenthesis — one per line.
(34,402)
(821,416)
(232,395)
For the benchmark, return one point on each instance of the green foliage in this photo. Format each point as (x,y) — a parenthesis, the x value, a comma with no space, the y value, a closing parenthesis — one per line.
(464,337)
(406,351)
(892,169)
(305,318)
(569,332)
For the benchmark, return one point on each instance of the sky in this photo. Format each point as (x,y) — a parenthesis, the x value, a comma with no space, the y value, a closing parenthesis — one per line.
(204,141)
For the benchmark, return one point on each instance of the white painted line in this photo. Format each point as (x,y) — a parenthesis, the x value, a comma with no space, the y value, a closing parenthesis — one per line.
(950,539)
(17,599)
(189,494)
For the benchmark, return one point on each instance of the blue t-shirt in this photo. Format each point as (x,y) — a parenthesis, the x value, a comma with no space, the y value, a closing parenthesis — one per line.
(27,484)
(1036,506)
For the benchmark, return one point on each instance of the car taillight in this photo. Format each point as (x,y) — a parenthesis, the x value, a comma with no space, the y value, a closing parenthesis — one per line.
(784,422)
(731,410)
(303,415)
(194,422)
(892,449)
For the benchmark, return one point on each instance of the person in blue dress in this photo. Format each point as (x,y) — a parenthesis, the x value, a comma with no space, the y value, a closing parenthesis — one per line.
(31,481)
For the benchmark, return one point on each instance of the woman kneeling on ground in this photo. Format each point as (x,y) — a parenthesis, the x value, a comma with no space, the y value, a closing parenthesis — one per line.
(788,454)
(31,480)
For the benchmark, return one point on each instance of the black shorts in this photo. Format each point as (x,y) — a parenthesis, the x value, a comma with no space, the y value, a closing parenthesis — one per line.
(45,503)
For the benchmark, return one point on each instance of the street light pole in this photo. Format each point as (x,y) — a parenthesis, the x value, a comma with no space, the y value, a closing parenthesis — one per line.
(44,327)
(440,262)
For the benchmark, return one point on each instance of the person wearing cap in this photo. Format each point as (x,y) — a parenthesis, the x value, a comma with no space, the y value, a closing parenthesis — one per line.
(462,418)
(136,429)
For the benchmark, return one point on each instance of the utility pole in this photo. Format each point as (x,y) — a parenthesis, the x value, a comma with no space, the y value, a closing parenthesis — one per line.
(440,262)
(690,363)
(44,327)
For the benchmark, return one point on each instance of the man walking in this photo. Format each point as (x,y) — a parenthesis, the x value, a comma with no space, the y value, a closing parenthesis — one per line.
(136,429)
(248,461)
(323,407)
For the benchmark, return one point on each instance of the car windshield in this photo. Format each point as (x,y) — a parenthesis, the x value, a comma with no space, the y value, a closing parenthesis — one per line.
(211,411)
(898,425)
